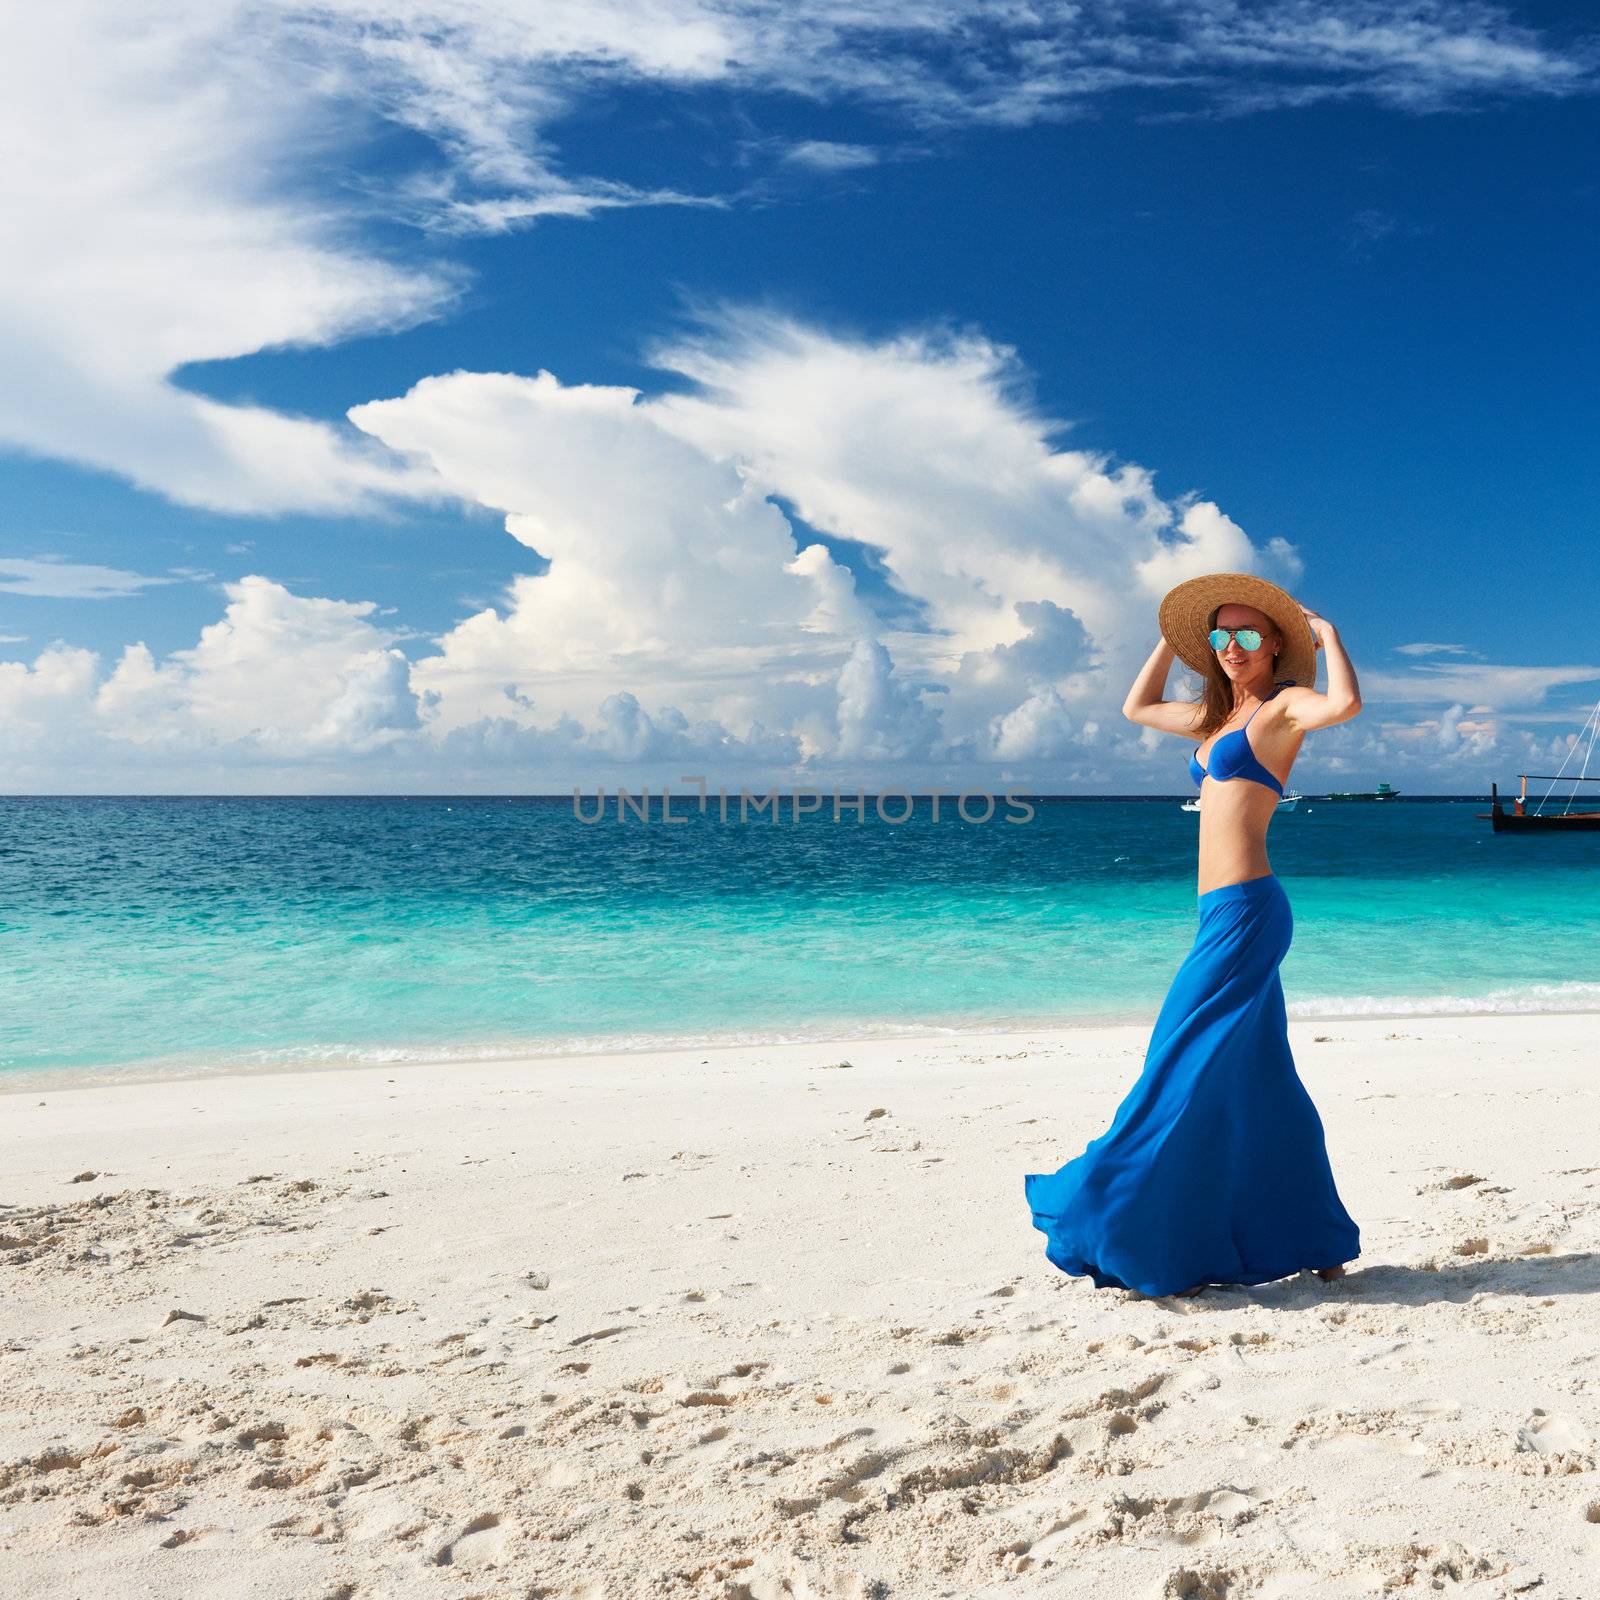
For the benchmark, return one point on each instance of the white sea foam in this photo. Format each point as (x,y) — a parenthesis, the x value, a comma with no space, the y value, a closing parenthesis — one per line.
(312,1057)
(1527,999)
(601,1044)
(1521,1000)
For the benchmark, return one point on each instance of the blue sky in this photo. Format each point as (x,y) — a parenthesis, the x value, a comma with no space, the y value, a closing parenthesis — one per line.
(1307,291)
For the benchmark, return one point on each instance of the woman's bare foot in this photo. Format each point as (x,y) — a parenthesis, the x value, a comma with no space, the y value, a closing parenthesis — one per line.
(1328,1274)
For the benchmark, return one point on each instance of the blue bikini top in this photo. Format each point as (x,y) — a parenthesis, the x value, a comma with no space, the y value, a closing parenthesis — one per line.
(1232,756)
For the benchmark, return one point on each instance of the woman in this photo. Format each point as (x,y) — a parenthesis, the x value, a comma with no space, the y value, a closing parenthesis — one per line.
(1214,1169)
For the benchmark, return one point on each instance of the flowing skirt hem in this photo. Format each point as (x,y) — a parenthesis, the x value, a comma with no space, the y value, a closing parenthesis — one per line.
(1243,1274)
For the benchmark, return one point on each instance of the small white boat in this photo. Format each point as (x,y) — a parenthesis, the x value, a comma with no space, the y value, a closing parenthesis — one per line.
(1287,803)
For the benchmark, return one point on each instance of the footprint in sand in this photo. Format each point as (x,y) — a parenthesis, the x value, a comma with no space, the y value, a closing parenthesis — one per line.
(1384,1432)
(366,1304)
(317,1528)
(784,1582)
(1023,1554)
(1208,1583)
(1559,1438)
(1427,1566)
(1126,1400)
(1194,1519)
(483,1539)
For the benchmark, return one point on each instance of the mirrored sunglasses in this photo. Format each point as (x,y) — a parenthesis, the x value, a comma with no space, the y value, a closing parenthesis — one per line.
(1249,638)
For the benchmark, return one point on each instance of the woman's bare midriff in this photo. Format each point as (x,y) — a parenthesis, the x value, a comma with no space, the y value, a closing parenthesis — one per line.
(1234,817)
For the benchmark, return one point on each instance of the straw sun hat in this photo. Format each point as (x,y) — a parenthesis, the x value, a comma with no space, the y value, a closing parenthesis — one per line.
(1185,618)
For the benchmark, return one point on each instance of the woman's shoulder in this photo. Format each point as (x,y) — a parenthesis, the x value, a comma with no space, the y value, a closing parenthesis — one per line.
(1278,709)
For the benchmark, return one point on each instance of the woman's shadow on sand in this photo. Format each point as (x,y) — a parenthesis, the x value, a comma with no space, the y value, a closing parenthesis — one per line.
(1535,1277)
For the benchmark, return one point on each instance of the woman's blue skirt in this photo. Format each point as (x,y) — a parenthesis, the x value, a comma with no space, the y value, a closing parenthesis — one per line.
(1214,1169)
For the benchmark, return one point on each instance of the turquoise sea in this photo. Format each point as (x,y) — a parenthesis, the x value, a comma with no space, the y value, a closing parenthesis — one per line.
(191,934)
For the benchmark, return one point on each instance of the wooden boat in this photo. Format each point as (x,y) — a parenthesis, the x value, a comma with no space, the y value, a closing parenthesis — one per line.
(1521,820)
(1382,792)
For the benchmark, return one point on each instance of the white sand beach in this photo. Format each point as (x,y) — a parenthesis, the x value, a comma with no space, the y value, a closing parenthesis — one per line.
(773,1322)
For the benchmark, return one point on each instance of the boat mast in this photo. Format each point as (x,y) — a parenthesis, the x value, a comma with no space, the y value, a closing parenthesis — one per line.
(1592,727)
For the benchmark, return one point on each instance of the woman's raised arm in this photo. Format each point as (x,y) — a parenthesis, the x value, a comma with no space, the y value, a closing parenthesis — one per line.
(1145,705)
(1305,708)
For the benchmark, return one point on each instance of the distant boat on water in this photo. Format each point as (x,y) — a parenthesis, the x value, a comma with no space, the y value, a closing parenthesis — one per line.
(1520,820)
(1382,792)
(1287,803)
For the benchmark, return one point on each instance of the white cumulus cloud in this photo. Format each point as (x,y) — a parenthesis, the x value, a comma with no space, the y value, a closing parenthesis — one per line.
(278,678)
(1016,578)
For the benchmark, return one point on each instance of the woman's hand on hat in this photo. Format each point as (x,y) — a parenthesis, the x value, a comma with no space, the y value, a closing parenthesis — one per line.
(1316,623)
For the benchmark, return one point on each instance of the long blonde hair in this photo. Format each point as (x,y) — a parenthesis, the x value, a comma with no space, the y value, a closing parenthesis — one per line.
(1216,687)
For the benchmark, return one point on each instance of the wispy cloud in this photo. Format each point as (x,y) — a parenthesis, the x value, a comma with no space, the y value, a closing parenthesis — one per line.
(226,149)
(1370,229)
(1415,55)
(1483,687)
(485,81)
(827,155)
(480,79)
(47,578)
(1426,649)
